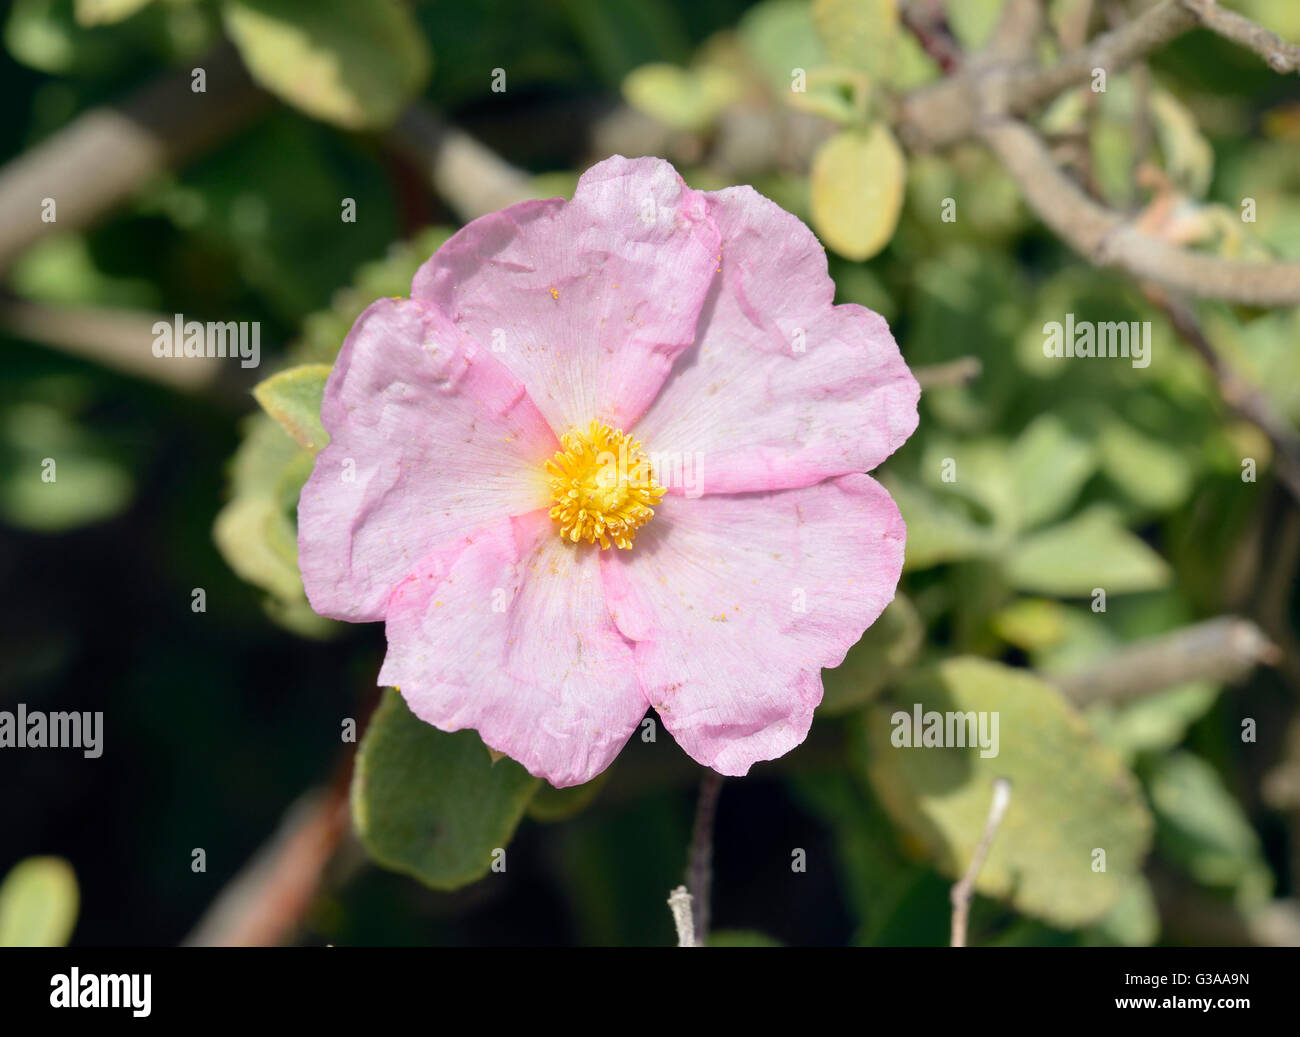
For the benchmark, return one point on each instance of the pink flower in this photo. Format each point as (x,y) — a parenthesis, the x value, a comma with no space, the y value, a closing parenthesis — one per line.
(538,580)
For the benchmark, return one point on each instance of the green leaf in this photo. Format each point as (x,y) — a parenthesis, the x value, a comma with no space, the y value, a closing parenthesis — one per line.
(62,269)
(246,527)
(861,34)
(1071,795)
(38,903)
(1152,474)
(1134,921)
(1189,158)
(973,21)
(1153,723)
(979,474)
(256,531)
(44,35)
(1281,16)
(293,398)
(353,64)
(105,12)
(1203,830)
(431,804)
(779,37)
(889,644)
(683,99)
(55,473)
(1049,465)
(1082,637)
(1031,623)
(857,190)
(939,529)
(1111,139)
(1088,551)
(833,92)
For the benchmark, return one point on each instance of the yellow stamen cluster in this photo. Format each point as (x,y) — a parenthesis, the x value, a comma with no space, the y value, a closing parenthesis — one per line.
(603,487)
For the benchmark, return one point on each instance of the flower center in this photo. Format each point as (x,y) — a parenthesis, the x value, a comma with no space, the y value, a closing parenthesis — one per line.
(603,487)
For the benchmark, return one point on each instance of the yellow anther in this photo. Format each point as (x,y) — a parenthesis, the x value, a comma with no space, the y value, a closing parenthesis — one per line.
(603,487)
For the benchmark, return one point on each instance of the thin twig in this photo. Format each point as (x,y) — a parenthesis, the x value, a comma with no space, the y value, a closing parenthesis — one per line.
(947,112)
(265,902)
(106,154)
(1280,56)
(1242,398)
(473,179)
(120,339)
(928,23)
(983,99)
(954,372)
(965,889)
(950,111)
(1108,239)
(1014,34)
(700,867)
(679,903)
(1218,650)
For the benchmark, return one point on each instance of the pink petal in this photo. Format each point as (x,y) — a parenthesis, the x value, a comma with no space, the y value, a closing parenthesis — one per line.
(712,592)
(430,440)
(760,413)
(508,633)
(589,301)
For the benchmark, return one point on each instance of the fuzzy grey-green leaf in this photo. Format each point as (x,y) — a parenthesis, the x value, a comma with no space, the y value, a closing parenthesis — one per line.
(431,804)
(1071,796)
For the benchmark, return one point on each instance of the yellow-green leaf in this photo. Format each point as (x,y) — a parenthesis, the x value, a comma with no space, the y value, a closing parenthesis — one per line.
(38,903)
(293,398)
(683,99)
(1071,795)
(104,12)
(862,34)
(349,63)
(1085,552)
(1189,158)
(857,190)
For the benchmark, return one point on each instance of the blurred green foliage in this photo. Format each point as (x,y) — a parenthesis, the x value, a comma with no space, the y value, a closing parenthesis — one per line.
(38,903)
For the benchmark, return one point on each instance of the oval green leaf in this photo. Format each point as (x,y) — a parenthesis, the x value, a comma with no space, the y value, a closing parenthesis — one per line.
(38,903)
(430,804)
(353,64)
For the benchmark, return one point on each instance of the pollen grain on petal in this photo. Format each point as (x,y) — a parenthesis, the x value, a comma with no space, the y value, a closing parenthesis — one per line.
(603,487)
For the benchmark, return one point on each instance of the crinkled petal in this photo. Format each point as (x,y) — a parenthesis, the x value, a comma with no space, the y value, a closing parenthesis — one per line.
(430,439)
(782,388)
(508,632)
(588,301)
(736,603)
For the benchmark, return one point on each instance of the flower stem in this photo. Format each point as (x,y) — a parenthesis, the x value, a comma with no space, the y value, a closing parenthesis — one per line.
(700,867)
